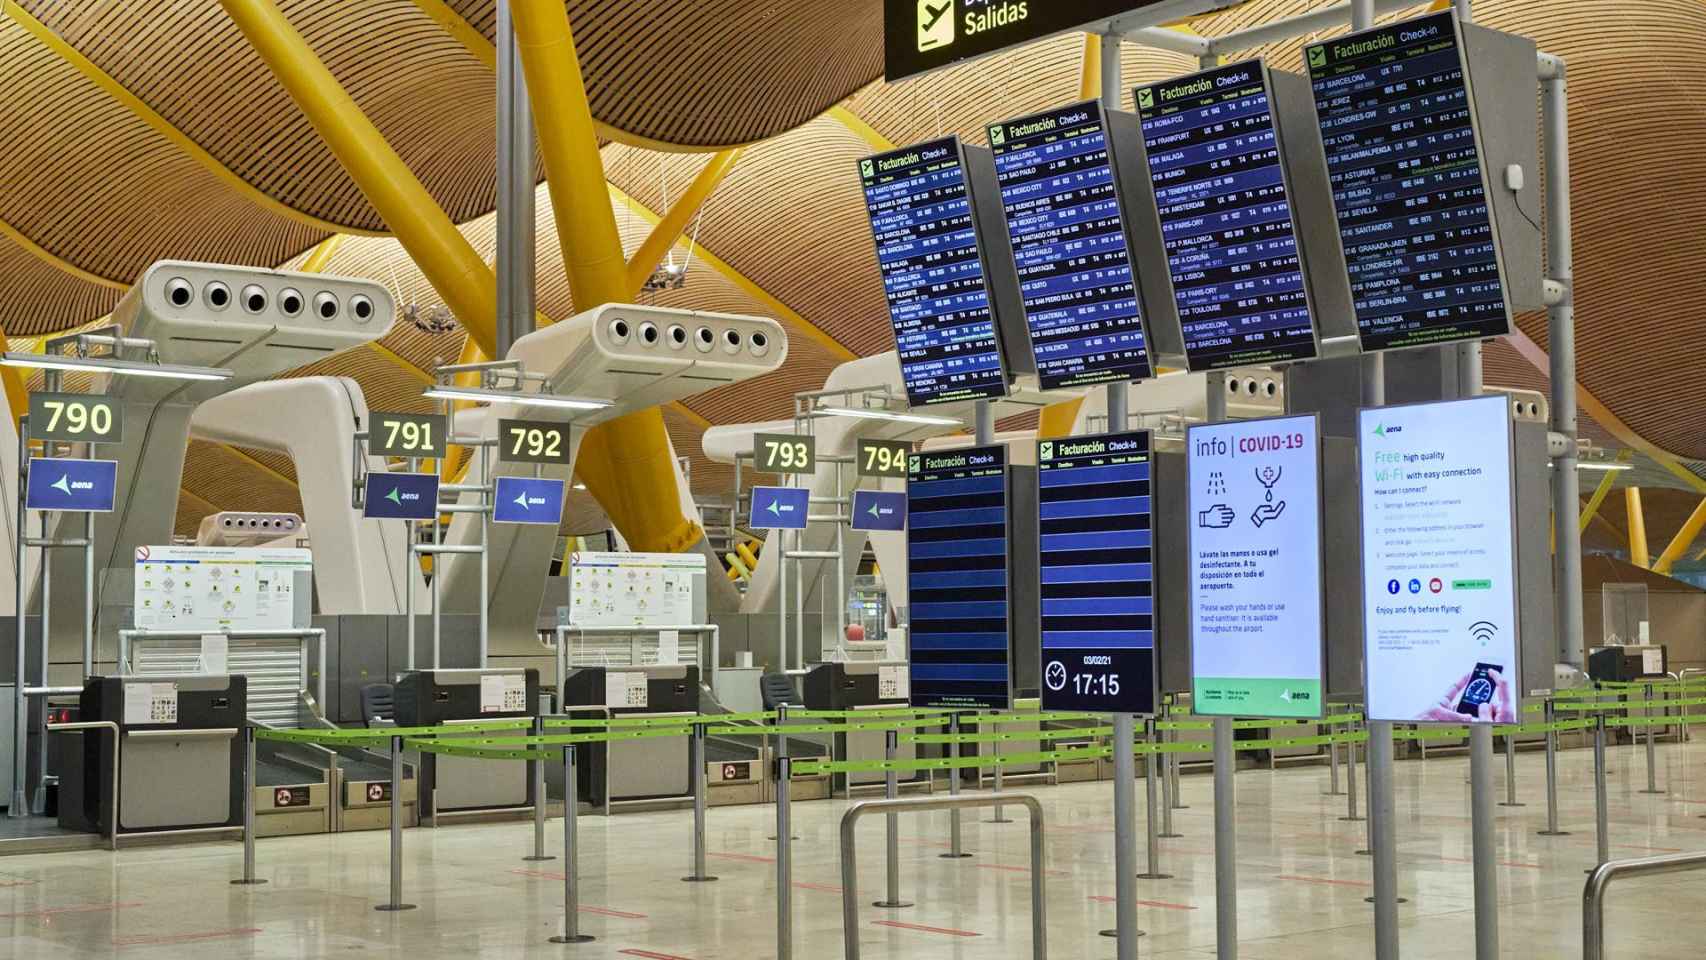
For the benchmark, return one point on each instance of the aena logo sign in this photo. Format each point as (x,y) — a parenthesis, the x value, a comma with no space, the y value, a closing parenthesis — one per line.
(1383,430)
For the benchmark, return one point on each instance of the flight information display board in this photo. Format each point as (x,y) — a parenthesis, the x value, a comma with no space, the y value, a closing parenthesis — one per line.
(920,205)
(1069,247)
(1398,124)
(956,551)
(1221,190)
(1098,574)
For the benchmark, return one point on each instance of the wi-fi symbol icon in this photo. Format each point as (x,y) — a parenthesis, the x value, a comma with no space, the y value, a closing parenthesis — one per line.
(1483,631)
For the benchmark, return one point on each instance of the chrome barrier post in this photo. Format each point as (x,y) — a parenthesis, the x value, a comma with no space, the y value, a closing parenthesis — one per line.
(697,755)
(1552,775)
(1351,815)
(1151,772)
(1510,773)
(1000,780)
(784,866)
(19,807)
(248,877)
(1333,771)
(1169,786)
(1485,844)
(571,864)
(955,852)
(1652,770)
(537,769)
(396,903)
(1225,842)
(1383,840)
(891,791)
(1602,826)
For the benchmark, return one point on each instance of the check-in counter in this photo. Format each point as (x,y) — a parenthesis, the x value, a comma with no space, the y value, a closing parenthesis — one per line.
(858,685)
(465,786)
(652,770)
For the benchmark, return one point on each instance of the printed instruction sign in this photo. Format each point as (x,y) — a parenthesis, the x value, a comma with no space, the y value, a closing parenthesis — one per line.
(1439,573)
(635,590)
(503,693)
(624,689)
(150,703)
(1257,626)
(221,588)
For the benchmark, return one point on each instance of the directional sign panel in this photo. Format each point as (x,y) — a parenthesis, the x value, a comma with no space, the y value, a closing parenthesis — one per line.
(401,496)
(528,500)
(923,35)
(68,484)
(879,510)
(75,417)
(780,508)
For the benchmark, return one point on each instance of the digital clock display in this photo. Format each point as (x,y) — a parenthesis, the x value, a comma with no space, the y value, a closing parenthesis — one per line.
(1097,573)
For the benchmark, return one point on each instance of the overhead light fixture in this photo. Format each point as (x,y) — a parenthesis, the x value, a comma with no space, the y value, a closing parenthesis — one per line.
(1603,465)
(864,414)
(121,368)
(524,399)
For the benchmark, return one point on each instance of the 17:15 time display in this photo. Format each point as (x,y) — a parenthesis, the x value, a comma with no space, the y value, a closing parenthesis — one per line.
(1096,684)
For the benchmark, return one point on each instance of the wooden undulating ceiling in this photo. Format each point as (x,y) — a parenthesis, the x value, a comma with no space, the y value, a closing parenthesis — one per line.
(136,133)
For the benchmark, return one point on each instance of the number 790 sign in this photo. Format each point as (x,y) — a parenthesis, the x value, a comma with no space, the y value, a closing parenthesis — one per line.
(533,441)
(74,417)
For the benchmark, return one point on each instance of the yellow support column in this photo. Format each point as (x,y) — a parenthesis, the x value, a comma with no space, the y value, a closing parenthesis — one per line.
(1637,528)
(449,262)
(674,223)
(1684,539)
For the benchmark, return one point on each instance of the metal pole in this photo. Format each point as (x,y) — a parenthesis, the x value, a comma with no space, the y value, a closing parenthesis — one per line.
(437,578)
(1351,815)
(784,868)
(38,802)
(571,863)
(1333,770)
(1602,827)
(1225,843)
(891,791)
(1552,776)
(1510,773)
(697,744)
(485,556)
(1652,770)
(1173,766)
(1485,844)
(515,260)
(20,719)
(1383,842)
(1168,798)
(248,877)
(781,537)
(537,770)
(88,595)
(1561,351)
(1151,773)
(1000,782)
(396,903)
(954,850)
(411,567)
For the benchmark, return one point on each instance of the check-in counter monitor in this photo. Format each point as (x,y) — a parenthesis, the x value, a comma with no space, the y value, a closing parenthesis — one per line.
(180,755)
(642,769)
(427,698)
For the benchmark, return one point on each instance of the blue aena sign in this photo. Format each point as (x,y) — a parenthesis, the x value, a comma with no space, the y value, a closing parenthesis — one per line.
(528,500)
(70,484)
(879,510)
(401,496)
(780,508)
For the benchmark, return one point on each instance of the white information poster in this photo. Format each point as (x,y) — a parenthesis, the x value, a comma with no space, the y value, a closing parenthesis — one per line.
(1257,634)
(146,703)
(1439,573)
(503,693)
(892,682)
(219,588)
(624,689)
(635,589)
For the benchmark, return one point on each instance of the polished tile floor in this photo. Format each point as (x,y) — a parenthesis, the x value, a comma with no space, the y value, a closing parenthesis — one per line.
(1301,883)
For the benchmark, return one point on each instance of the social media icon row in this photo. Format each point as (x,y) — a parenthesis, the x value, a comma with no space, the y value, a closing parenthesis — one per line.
(1435,585)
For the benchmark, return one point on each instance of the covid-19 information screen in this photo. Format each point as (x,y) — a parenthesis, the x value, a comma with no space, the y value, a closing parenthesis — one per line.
(1215,161)
(1098,580)
(956,551)
(1408,188)
(1069,246)
(921,216)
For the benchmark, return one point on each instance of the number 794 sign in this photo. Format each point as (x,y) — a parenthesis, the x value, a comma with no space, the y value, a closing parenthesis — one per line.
(533,441)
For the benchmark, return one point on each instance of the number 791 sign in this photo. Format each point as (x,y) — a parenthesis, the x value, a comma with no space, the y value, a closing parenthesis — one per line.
(533,441)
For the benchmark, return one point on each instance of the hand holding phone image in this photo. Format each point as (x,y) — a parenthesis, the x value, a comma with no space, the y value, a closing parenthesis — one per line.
(1481,695)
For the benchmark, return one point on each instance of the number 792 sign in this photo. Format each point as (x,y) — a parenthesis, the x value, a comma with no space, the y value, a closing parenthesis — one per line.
(533,441)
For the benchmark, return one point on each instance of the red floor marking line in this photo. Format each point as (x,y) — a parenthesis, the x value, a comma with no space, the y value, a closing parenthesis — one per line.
(174,938)
(748,857)
(1158,904)
(1324,881)
(648,955)
(921,928)
(826,888)
(618,914)
(538,874)
(80,908)
(17,883)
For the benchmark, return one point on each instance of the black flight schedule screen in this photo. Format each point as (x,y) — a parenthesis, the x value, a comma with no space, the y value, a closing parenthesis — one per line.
(1407,185)
(1214,159)
(956,552)
(944,328)
(1069,246)
(1098,580)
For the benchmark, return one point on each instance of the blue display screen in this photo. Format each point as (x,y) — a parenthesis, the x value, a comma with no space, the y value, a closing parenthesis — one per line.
(1214,159)
(921,217)
(1396,120)
(1069,247)
(1098,574)
(956,553)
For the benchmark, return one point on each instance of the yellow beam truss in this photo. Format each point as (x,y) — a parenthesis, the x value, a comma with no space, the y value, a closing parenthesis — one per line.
(1684,539)
(1600,492)
(1637,528)
(674,223)
(130,101)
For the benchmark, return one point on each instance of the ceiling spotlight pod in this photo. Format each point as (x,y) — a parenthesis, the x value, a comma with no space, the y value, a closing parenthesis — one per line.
(179,292)
(326,305)
(619,331)
(254,298)
(704,339)
(649,333)
(732,341)
(758,344)
(677,336)
(290,301)
(217,295)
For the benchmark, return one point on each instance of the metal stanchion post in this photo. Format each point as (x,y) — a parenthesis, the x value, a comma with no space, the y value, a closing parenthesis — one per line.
(1652,770)
(537,769)
(1351,815)
(1151,773)
(1169,788)
(1510,773)
(1125,838)
(1225,843)
(784,865)
(954,849)
(396,903)
(1485,847)
(248,807)
(782,785)
(1383,840)
(1173,766)
(1000,782)
(571,863)
(891,791)
(1602,826)
(698,759)
(1333,770)
(1552,776)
